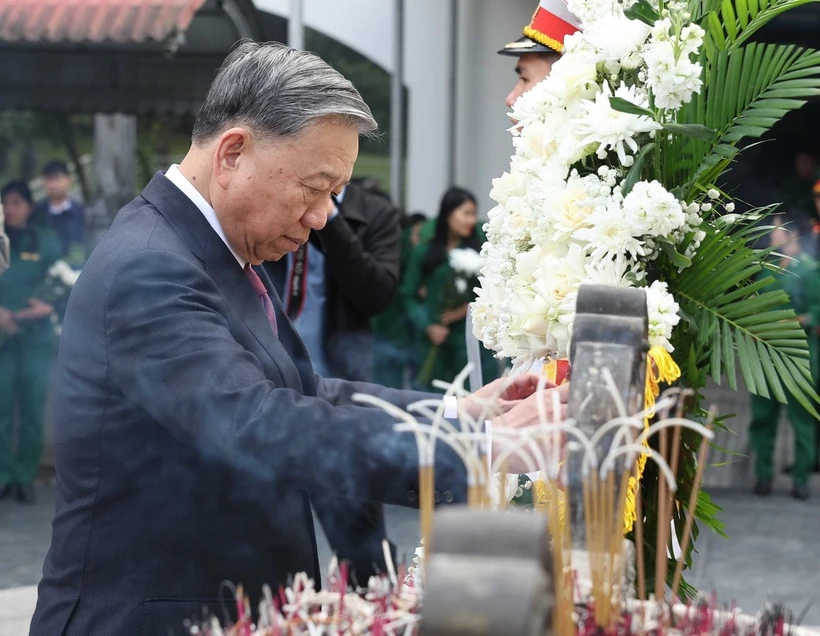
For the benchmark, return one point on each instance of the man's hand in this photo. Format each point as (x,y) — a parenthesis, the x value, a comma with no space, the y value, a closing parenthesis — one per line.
(525,414)
(453,315)
(36,310)
(437,334)
(504,393)
(7,323)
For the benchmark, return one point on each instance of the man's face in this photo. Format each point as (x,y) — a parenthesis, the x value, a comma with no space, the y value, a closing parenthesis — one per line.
(271,193)
(57,186)
(531,69)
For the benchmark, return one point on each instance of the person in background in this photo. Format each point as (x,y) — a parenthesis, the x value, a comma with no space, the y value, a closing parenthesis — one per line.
(800,279)
(61,213)
(331,288)
(26,343)
(440,328)
(347,274)
(4,244)
(393,351)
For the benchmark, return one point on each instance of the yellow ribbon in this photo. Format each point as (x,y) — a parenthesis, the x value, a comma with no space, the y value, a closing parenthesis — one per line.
(660,368)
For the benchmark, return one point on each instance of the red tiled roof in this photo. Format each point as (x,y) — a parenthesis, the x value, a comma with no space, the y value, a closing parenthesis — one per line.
(94,20)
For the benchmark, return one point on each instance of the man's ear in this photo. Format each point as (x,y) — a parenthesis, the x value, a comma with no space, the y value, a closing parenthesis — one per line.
(231,150)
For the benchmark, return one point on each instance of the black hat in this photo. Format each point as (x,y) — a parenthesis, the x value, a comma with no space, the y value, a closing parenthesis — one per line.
(524,45)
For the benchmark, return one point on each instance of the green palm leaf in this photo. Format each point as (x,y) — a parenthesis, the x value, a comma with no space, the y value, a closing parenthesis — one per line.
(730,23)
(740,322)
(746,91)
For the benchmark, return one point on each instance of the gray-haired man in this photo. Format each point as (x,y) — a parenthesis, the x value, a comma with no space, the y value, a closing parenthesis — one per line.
(189,425)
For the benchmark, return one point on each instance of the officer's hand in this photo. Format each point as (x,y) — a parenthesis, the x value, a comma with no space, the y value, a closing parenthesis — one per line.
(36,309)
(7,323)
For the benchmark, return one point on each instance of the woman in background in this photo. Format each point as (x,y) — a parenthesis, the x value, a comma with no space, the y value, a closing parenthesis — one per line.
(27,342)
(436,294)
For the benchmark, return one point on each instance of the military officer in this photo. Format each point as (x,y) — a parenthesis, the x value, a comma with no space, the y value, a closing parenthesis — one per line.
(540,46)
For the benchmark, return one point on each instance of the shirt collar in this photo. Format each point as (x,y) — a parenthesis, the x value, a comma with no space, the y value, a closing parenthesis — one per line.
(175,176)
(59,209)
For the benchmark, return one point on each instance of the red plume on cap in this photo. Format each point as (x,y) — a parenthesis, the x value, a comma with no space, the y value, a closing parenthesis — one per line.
(551,23)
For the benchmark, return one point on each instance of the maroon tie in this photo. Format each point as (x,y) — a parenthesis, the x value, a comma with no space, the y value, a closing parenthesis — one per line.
(259,288)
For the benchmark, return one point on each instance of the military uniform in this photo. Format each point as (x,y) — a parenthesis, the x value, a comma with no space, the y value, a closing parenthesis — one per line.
(802,282)
(26,356)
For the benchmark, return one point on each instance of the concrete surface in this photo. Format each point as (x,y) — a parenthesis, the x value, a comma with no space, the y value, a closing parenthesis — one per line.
(774,549)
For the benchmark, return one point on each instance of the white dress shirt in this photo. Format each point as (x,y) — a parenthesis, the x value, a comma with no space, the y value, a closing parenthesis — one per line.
(175,176)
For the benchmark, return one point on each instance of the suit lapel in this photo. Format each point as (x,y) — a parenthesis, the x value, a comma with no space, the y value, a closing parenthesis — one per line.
(289,337)
(221,266)
(228,275)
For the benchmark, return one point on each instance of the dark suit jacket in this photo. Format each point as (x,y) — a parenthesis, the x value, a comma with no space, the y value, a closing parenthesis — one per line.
(186,434)
(363,252)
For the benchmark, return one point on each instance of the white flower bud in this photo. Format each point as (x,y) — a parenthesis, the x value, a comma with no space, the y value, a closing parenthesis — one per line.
(706,207)
(730,207)
(713,194)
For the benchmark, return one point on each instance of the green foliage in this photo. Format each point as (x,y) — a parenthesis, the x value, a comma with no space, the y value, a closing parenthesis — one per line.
(730,24)
(746,91)
(736,322)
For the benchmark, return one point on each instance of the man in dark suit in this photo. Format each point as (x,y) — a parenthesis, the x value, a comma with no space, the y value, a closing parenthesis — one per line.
(189,425)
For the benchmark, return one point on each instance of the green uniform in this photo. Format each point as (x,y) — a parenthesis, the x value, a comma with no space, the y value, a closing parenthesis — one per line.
(424,309)
(393,348)
(802,283)
(26,356)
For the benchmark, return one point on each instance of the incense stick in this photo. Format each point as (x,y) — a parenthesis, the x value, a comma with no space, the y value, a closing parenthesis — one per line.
(690,513)
(426,500)
(639,542)
(661,565)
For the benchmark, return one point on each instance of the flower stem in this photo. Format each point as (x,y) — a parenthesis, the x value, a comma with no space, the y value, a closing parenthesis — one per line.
(426,372)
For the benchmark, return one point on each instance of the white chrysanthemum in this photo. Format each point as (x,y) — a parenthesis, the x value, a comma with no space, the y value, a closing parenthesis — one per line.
(537,104)
(663,315)
(611,129)
(572,79)
(616,38)
(610,234)
(466,261)
(652,210)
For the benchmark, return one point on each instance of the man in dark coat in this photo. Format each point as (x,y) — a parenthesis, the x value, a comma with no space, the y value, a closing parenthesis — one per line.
(345,276)
(189,425)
